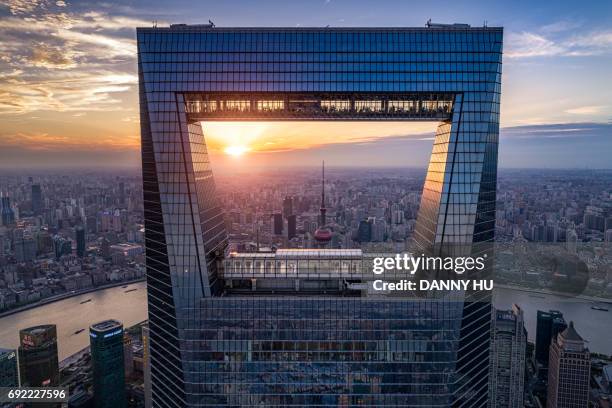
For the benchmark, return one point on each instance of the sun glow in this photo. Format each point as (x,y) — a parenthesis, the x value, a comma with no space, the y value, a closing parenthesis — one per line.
(238,138)
(236,150)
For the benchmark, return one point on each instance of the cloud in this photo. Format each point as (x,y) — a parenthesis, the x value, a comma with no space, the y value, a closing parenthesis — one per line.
(556,131)
(31,141)
(527,44)
(586,110)
(558,40)
(48,56)
(65,91)
(561,26)
(52,58)
(17,7)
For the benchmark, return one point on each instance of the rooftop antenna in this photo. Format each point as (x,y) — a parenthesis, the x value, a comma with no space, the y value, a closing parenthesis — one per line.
(211,23)
(485,24)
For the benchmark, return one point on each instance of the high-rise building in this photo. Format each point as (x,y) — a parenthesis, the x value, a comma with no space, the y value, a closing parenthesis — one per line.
(128,355)
(278,223)
(38,360)
(508,347)
(214,343)
(37,200)
(25,249)
(364,231)
(291,226)
(8,368)
(287,207)
(594,218)
(106,341)
(569,371)
(7,215)
(548,325)
(80,241)
(61,246)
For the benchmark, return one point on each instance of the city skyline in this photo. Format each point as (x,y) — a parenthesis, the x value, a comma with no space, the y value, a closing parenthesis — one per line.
(199,203)
(69,84)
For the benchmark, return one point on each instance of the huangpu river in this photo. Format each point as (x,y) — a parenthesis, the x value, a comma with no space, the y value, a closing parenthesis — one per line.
(130,307)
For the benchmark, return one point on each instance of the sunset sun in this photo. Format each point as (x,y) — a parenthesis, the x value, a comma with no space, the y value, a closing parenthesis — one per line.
(236,151)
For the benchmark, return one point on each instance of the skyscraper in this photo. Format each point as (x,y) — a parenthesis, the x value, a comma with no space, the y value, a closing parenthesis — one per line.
(287,207)
(38,361)
(8,368)
(128,355)
(7,214)
(80,241)
(301,335)
(37,201)
(106,341)
(548,325)
(291,226)
(569,371)
(508,346)
(278,223)
(61,246)
(24,249)
(364,231)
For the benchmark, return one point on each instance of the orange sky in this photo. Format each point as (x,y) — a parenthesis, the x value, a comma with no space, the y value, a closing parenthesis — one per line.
(271,137)
(68,77)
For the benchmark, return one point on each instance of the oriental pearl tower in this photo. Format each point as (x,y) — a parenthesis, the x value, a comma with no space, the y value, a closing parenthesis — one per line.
(323,234)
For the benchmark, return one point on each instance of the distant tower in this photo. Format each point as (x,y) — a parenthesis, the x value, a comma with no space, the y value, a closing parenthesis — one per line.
(287,207)
(80,240)
(322,220)
(8,215)
(278,223)
(37,201)
(323,234)
(291,226)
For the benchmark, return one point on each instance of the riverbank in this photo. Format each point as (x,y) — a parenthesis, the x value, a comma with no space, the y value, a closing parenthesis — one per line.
(67,295)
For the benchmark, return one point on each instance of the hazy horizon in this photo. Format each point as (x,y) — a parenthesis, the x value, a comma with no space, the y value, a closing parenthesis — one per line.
(276,144)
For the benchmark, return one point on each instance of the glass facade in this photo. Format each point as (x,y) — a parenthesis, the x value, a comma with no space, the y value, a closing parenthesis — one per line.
(214,345)
(106,341)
